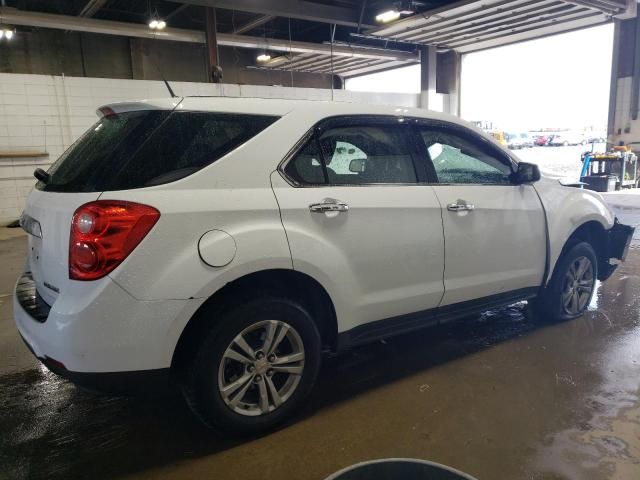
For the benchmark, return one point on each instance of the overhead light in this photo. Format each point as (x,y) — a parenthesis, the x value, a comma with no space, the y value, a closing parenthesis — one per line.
(6,32)
(263,57)
(388,16)
(278,60)
(157,24)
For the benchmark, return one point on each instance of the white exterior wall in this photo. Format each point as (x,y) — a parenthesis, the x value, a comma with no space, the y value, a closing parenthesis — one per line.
(43,113)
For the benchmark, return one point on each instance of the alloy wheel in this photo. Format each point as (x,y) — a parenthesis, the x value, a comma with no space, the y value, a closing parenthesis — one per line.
(578,286)
(261,368)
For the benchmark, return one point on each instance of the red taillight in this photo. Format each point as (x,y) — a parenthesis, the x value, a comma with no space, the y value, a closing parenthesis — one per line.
(104,233)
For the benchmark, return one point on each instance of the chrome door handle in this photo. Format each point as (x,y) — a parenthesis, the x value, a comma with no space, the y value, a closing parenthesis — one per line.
(460,207)
(329,205)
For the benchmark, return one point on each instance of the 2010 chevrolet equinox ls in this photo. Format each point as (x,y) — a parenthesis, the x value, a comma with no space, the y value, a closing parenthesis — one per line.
(229,242)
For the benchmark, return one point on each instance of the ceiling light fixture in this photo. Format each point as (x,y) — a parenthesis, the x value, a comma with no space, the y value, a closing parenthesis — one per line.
(6,32)
(157,24)
(388,16)
(263,57)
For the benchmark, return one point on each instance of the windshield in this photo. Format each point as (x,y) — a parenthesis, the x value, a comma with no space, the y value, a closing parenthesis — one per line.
(145,148)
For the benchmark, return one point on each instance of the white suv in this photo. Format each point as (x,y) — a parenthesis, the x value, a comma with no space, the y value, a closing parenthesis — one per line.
(226,244)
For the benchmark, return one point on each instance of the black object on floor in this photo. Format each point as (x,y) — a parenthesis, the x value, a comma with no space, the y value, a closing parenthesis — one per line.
(400,469)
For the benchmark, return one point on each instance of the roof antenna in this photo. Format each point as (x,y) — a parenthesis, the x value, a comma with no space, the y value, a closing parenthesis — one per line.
(173,95)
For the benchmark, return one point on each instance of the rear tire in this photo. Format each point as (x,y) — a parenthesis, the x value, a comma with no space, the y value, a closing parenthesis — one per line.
(572,285)
(255,366)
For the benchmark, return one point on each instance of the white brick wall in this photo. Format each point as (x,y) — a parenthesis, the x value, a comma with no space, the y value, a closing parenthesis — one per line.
(47,113)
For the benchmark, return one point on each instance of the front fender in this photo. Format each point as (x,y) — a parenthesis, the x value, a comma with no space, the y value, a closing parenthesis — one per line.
(567,209)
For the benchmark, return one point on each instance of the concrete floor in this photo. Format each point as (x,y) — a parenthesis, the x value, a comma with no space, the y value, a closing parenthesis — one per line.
(498,396)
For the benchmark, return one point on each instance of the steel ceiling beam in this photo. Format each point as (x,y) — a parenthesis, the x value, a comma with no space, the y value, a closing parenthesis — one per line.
(298,59)
(513,22)
(64,22)
(91,8)
(92,25)
(607,6)
(358,66)
(541,32)
(247,27)
(407,27)
(485,18)
(243,41)
(318,62)
(301,9)
(468,26)
(372,68)
(513,31)
(415,21)
(176,11)
(327,64)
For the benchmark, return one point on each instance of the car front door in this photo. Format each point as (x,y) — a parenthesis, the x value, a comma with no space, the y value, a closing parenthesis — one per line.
(495,237)
(359,220)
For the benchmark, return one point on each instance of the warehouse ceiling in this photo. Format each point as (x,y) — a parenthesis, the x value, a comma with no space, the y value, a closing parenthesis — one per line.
(469,26)
(331,36)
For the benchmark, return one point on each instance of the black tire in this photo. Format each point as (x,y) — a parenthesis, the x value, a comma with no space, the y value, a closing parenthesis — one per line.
(549,305)
(201,386)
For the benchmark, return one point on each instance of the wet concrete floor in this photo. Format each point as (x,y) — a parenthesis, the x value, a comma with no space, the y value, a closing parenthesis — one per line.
(499,396)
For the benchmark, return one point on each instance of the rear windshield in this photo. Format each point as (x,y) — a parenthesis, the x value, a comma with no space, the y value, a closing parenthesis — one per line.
(144,148)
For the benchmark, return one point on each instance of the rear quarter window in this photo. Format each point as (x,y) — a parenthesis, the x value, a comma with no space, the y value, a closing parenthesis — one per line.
(145,148)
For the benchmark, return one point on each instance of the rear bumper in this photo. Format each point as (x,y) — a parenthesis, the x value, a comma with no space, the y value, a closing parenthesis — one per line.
(616,247)
(135,382)
(98,336)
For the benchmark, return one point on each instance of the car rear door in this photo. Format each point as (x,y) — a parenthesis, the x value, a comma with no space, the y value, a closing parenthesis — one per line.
(359,220)
(494,230)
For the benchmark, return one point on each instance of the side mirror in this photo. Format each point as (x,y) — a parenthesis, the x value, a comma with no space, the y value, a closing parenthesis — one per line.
(357,165)
(526,173)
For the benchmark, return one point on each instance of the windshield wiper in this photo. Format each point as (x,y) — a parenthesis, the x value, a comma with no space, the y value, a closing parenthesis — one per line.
(41,175)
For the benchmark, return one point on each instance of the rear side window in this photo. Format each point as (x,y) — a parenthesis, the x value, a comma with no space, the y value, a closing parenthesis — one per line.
(306,167)
(140,149)
(354,155)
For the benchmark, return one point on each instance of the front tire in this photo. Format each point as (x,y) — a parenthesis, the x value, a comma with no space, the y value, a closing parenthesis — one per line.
(255,366)
(573,283)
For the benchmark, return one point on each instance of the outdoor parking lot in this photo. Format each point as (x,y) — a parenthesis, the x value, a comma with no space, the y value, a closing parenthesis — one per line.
(559,162)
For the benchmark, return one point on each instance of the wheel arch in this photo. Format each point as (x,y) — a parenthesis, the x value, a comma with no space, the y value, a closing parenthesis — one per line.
(595,234)
(287,283)
(572,213)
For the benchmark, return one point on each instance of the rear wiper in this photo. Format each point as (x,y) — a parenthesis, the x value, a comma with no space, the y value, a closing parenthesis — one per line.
(41,175)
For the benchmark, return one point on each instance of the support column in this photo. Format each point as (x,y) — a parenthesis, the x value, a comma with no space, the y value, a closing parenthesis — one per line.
(428,65)
(623,126)
(635,78)
(213,68)
(449,72)
(613,86)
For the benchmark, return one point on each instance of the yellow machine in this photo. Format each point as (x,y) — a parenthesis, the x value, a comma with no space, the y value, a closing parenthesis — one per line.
(499,136)
(613,170)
